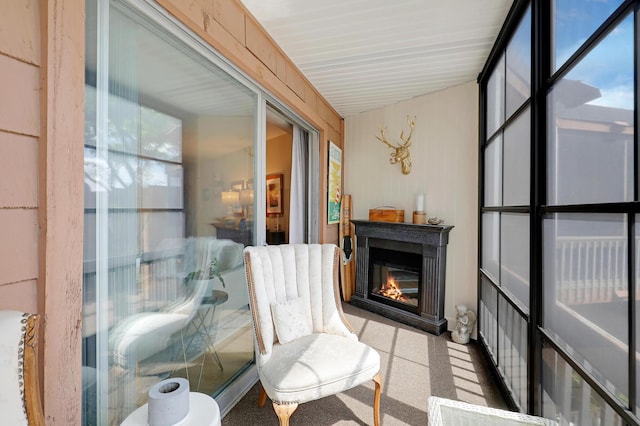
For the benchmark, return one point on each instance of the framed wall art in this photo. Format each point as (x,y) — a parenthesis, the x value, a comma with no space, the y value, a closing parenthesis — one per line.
(274,194)
(334,184)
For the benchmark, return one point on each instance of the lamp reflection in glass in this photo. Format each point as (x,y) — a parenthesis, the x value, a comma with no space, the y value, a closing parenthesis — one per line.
(246,200)
(230,199)
(246,197)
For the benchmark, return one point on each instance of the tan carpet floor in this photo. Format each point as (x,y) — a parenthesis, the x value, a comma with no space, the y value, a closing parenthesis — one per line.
(415,365)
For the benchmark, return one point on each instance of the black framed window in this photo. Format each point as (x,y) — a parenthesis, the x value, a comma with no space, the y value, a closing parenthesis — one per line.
(559,206)
(505,207)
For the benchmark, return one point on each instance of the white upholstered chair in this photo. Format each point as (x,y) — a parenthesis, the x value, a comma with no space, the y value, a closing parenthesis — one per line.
(20,390)
(306,349)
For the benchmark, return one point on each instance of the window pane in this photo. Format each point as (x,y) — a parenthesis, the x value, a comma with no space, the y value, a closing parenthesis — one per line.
(568,399)
(512,360)
(519,65)
(89,107)
(162,185)
(161,230)
(160,135)
(573,22)
(586,290)
(493,172)
(491,244)
(514,276)
(170,289)
(116,175)
(489,317)
(495,98)
(517,160)
(591,129)
(124,122)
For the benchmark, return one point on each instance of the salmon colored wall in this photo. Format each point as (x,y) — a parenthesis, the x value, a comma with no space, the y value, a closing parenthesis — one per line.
(19,133)
(61,205)
(234,32)
(41,169)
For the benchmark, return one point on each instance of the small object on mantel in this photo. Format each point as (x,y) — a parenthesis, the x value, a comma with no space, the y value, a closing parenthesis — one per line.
(420,202)
(419,218)
(386,214)
(435,221)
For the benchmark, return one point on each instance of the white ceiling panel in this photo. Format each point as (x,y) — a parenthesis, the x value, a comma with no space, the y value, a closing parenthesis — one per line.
(364,54)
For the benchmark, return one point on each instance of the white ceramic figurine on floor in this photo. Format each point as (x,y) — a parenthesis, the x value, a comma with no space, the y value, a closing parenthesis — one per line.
(465,320)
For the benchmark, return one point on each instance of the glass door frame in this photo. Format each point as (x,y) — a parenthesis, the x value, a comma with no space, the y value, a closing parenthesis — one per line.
(159,18)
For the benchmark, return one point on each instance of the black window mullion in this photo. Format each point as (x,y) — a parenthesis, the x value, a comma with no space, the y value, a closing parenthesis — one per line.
(631,250)
(540,60)
(482,130)
(633,402)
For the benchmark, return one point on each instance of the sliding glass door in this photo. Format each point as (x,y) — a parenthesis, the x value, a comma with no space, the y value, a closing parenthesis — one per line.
(170,203)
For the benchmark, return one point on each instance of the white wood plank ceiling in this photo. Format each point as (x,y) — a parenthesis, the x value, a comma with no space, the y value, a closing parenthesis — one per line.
(365,54)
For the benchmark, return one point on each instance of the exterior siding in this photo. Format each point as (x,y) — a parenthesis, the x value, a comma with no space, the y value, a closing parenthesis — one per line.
(19,132)
(20,88)
(20,31)
(18,171)
(19,245)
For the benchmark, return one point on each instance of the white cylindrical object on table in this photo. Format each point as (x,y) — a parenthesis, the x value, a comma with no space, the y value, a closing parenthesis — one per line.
(168,402)
(420,202)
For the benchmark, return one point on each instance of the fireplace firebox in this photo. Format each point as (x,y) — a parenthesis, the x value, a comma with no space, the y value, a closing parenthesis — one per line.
(394,278)
(400,272)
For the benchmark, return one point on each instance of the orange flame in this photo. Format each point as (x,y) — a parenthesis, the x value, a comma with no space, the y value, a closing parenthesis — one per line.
(392,291)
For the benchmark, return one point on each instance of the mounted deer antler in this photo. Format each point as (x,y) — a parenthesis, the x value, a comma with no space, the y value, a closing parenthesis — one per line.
(401,153)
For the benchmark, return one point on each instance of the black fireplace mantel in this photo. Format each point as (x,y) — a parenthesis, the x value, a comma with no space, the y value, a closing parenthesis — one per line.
(428,240)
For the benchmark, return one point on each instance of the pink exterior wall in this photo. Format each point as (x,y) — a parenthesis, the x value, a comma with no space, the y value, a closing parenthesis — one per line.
(61,206)
(41,169)
(19,133)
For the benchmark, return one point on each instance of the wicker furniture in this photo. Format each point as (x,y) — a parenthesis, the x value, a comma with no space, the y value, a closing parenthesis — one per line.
(447,412)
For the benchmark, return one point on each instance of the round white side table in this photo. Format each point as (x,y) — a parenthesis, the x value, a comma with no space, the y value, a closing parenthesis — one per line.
(203,411)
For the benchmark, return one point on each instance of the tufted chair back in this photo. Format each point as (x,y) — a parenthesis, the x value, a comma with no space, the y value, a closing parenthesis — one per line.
(285,272)
(306,349)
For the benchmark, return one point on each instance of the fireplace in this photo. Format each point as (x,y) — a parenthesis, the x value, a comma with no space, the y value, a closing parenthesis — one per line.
(394,278)
(400,272)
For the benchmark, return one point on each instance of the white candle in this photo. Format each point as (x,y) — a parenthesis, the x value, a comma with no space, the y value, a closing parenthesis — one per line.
(420,203)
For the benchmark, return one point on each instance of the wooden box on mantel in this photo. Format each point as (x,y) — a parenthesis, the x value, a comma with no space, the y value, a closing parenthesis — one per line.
(386,215)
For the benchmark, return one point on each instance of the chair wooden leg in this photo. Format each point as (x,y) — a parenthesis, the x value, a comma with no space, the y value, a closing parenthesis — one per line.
(262,398)
(284,411)
(376,399)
